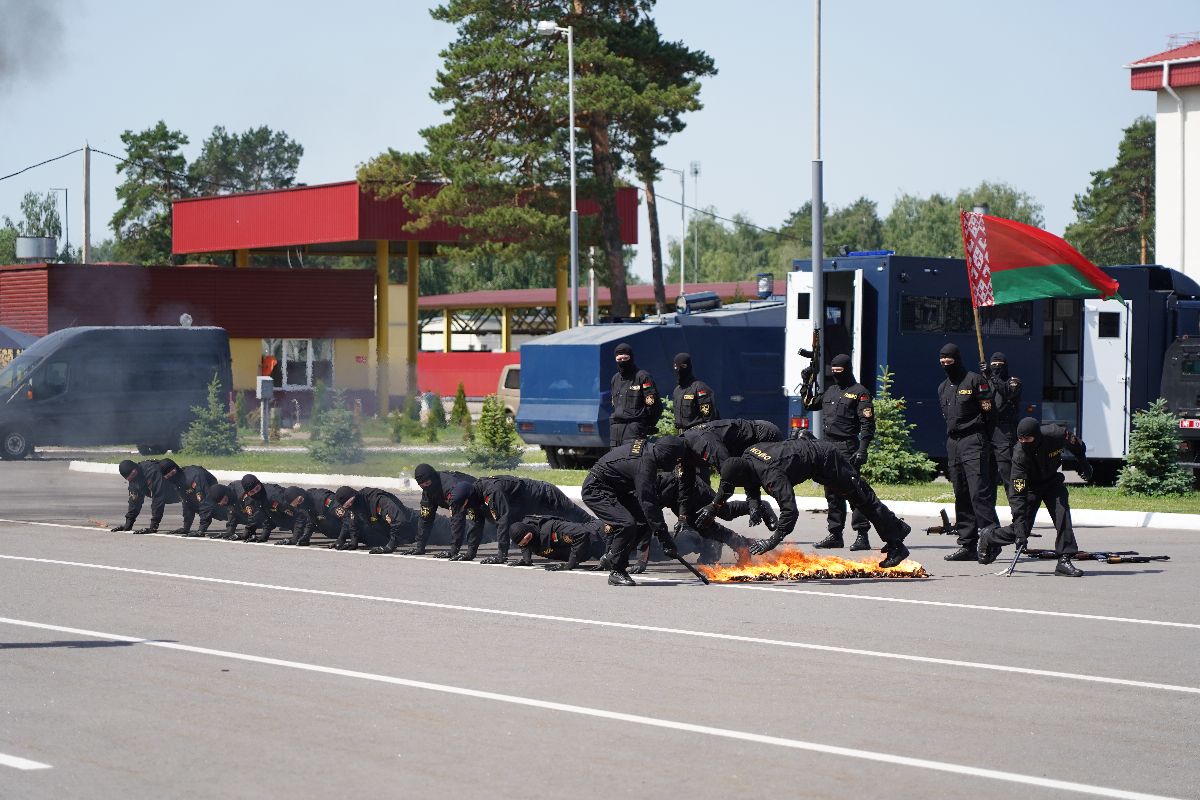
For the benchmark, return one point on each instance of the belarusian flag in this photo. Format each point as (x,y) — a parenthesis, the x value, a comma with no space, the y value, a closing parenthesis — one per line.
(1008,262)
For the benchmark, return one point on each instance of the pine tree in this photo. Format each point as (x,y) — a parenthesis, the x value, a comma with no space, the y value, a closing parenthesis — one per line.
(437,411)
(1152,468)
(666,422)
(892,458)
(459,413)
(211,432)
(341,440)
(496,445)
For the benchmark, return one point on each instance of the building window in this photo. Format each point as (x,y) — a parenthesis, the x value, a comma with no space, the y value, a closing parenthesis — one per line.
(927,314)
(1110,325)
(300,363)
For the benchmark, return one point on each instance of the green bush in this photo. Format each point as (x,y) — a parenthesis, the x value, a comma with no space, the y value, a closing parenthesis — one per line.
(666,422)
(459,413)
(892,458)
(340,440)
(495,444)
(240,410)
(437,411)
(402,427)
(211,432)
(1152,466)
(431,430)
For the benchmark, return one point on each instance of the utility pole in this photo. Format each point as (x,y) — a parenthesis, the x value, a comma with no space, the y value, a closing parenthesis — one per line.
(818,215)
(694,168)
(87,205)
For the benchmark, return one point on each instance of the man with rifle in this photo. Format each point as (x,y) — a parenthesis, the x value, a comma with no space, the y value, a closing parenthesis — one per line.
(1036,479)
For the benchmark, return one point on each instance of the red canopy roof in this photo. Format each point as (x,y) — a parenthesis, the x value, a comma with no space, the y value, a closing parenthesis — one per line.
(1146,74)
(330,218)
(642,294)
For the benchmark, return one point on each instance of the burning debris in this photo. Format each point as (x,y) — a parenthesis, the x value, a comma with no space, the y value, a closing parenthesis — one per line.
(796,565)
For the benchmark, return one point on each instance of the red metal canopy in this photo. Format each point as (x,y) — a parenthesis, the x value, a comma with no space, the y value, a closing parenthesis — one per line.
(1147,73)
(330,218)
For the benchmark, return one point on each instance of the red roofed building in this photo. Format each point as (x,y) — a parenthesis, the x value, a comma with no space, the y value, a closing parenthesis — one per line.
(1174,76)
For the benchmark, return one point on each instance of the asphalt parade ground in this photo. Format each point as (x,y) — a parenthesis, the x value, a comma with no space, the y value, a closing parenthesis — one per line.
(156,666)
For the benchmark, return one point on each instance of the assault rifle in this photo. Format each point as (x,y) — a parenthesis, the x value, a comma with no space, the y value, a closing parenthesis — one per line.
(1109,556)
(808,375)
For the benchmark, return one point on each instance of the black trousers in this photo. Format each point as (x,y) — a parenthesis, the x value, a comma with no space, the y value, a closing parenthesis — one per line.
(968,462)
(620,433)
(544,500)
(622,518)
(837,502)
(840,476)
(473,519)
(1054,496)
(1003,438)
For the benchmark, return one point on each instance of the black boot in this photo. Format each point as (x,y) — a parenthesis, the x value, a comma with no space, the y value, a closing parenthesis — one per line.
(963,553)
(619,578)
(861,543)
(831,541)
(897,552)
(1065,567)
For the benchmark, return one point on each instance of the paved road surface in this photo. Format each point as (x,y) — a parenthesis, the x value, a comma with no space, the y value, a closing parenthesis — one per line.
(152,666)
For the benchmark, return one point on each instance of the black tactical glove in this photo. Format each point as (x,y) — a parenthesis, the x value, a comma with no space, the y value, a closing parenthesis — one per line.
(524,561)
(985,369)
(667,543)
(705,516)
(770,518)
(1085,471)
(118,528)
(180,532)
(417,551)
(860,458)
(637,569)
(285,541)
(262,538)
(442,554)
(385,550)
(494,560)
(765,545)
(557,567)
(755,516)
(462,557)
(151,529)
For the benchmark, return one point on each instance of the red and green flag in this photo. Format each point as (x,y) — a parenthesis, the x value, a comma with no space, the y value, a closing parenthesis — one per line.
(1008,262)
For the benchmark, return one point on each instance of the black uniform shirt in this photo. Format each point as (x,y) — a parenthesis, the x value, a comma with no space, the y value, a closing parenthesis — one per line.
(846,412)
(149,482)
(1006,401)
(378,508)
(317,511)
(635,399)
(1035,469)
(965,403)
(557,538)
(633,469)
(715,441)
(777,467)
(694,404)
(434,496)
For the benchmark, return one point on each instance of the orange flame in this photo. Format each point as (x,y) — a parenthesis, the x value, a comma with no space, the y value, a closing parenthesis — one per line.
(99,523)
(796,565)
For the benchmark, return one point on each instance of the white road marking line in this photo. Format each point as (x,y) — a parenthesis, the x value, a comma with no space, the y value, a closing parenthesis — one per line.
(16,762)
(748,587)
(636,719)
(823,648)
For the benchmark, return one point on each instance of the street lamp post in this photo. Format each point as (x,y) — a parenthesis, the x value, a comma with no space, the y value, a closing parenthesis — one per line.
(548,28)
(682,225)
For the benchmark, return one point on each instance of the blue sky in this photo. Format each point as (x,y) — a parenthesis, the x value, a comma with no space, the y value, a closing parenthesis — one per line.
(917,97)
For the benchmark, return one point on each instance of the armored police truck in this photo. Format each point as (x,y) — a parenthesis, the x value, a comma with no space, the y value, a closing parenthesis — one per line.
(1085,364)
(89,386)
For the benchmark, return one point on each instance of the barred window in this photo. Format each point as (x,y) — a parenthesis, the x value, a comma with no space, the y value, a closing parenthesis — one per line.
(929,314)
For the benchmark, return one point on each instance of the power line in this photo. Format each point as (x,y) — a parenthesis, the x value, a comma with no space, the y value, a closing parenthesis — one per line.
(163,170)
(41,164)
(708,213)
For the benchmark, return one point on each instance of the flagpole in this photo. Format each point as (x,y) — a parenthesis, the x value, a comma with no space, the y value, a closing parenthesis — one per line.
(978,332)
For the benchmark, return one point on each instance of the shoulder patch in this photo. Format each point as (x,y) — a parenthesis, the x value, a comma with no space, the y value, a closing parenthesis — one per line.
(689,397)
(966,391)
(1018,485)
(850,395)
(864,397)
(868,412)
(339,511)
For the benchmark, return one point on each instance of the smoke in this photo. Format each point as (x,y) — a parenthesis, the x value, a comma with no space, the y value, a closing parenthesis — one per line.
(31,36)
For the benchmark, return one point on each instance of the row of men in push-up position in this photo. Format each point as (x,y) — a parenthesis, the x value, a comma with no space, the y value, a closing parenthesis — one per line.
(626,490)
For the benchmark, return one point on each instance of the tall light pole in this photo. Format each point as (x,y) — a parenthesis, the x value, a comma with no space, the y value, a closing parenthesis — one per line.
(66,214)
(694,168)
(548,28)
(682,224)
(818,212)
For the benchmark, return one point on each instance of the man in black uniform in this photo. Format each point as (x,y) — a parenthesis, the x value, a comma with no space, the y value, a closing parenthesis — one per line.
(622,491)
(1006,403)
(966,400)
(375,516)
(1036,480)
(268,497)
(708,528)
(192,484)
(779,466)
(313,510)
(713,442)
(507,499)
(692,399)
(463,502)
(145,478)
(560,540)
(635,400)
(241,508)
(848,422)
(435,493)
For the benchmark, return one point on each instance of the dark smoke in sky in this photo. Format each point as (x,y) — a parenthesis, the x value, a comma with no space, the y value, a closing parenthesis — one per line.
(31,34)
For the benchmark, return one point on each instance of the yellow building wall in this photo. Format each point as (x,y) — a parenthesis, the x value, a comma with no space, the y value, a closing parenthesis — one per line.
(348,370)
(247,359)
(397,341)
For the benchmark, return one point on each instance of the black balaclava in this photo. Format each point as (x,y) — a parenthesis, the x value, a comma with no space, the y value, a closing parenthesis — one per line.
(669,451)
(736,471)
(459,494)
(249,482)
(1002,370)
(126,468)
(1029,426)
(343,494)
(683,369)
(291,493)
(218,492)
(955,371)
(518,530)
(165,465)
(846,376)
(425,472)
(765,431)
(627,368)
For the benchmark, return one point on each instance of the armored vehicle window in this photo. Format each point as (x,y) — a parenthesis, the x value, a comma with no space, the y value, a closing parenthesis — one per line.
(1110,324)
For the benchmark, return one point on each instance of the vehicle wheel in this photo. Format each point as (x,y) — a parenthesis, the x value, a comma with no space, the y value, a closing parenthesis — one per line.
(552,458)
(1104,473)
(15,445)
(150,449)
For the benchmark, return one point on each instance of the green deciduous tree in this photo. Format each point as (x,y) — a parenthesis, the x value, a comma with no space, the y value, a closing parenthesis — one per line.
(154,176)
(1152,466)
(892,457)
(931,226)
(211,433)
(252,161)
(1114,221)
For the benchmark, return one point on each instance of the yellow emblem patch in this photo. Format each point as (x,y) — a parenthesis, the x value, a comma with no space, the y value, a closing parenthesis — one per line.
(1018,484)
(705,408)
(426,512)
(650,400)
(868,412)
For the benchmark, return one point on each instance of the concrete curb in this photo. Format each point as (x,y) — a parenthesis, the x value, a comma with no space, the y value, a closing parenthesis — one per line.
(904,508)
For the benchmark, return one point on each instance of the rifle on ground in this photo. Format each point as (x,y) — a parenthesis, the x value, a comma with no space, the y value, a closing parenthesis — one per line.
(945,527)
(681,526)
(1016,558)
(1109,556)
